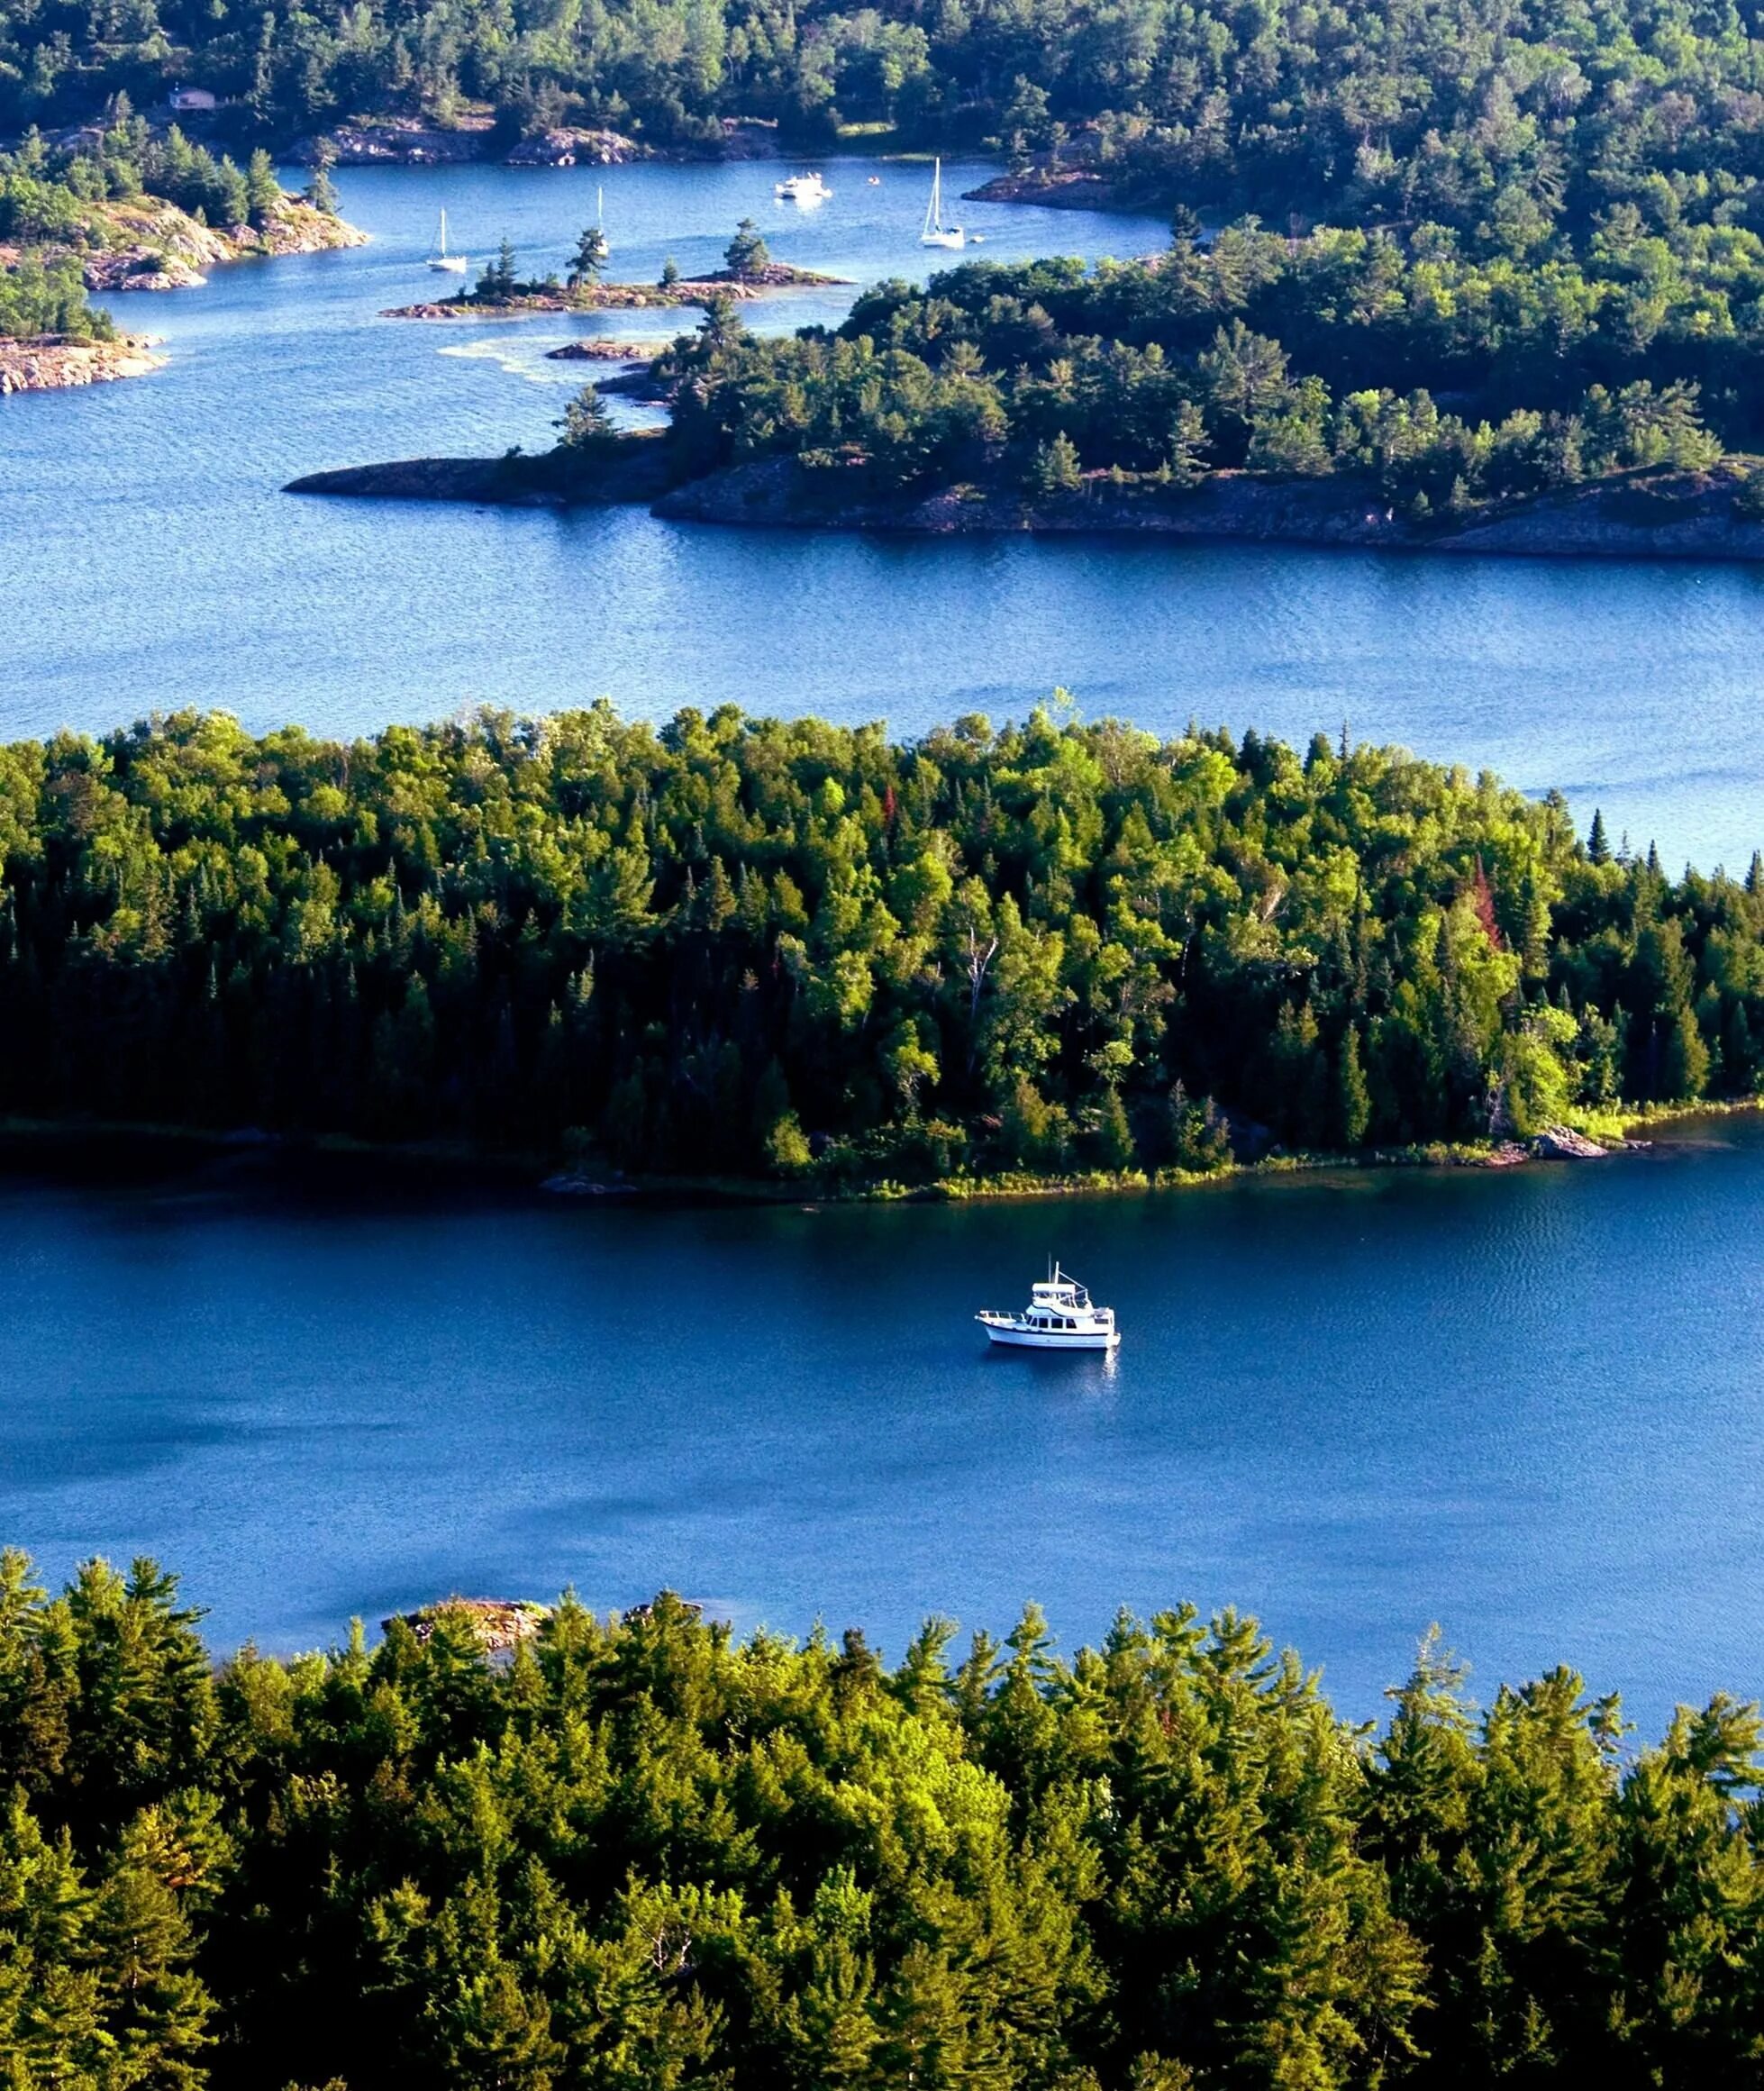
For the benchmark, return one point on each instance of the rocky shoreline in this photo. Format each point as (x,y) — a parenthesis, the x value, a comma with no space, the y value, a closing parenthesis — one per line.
(605,349)
(413,142)
(155,246)
(50,363)
(633,471)
(1658,513)
(1067,188)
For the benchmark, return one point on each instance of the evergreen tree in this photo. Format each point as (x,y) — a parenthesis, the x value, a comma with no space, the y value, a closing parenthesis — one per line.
(589,262)
(1353,1099)
(585,424)
(1055,468)
(746,255)
(263,192)
(320,191)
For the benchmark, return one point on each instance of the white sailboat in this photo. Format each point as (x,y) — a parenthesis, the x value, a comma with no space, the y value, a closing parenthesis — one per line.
(936,232)
(441,259)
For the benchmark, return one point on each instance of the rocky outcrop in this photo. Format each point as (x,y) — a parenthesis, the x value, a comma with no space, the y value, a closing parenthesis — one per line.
(1657,514)
(498,1624)
(51,364)
(605,349)
(1065,188)
(597,297)
(571,148)
(412,140)
(152,245)
(399,141)
(140,269)
(1562,1143)
(632,467)
(476,479)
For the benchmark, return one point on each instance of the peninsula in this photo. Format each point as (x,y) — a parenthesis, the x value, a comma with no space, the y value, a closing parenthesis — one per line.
(1154,396)
(771,958)
(130,209)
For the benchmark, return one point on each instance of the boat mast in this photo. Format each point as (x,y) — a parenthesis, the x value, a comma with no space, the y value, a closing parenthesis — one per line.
(934,210)
(443,232)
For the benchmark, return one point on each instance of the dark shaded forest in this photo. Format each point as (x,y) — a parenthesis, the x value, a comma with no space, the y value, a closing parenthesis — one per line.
(645,1856)
(754,946)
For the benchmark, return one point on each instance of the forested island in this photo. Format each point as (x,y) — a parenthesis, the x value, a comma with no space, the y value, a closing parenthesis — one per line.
(640,1853)
(765,950)
(1349,388)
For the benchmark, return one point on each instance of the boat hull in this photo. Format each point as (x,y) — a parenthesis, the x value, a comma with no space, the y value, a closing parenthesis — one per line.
(1053,1339)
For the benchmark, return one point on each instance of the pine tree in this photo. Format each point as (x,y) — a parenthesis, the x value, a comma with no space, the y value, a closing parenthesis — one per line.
(1353,1099)
(320,191)
(157,2011)
(1598,845)
(585,424)
(589,260)
(263,192)
(498,282)
(1055,468)
(747,254)
(1684,1073)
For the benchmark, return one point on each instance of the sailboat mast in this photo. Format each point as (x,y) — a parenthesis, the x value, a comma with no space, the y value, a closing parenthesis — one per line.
(443,234)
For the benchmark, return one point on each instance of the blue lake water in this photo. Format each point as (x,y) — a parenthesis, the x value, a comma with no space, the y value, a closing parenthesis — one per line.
(1528,1406)
(1531,1406)
(147,558)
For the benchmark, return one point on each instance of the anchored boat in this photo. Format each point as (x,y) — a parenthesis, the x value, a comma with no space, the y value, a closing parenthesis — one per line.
(801,188)
(1060,1316)
(440,260)
(936,232)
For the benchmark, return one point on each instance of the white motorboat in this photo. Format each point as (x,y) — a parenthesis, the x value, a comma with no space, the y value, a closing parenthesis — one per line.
(801,188)
(1060,1316)
(441,259)
(936,232)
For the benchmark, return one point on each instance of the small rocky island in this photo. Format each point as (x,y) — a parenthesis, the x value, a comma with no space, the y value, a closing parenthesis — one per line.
(749,272)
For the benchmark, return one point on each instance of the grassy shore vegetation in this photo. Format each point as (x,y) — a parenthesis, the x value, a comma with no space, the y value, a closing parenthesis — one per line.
(1431,379)
(756,946)
(645,1856)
